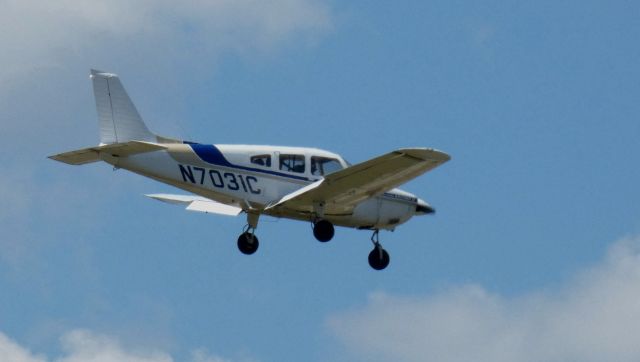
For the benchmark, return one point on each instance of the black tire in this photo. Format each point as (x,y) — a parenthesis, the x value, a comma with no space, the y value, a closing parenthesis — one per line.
(323,230)
(248,243)
(376,261)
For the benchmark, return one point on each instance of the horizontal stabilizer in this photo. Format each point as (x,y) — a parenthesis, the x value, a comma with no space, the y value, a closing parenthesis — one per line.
(197,203)
(92,154)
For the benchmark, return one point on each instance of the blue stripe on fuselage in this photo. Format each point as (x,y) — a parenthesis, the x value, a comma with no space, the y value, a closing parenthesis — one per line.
(211,154)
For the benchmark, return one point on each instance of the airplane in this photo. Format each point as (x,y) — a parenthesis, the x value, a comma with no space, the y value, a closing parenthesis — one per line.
(306,184)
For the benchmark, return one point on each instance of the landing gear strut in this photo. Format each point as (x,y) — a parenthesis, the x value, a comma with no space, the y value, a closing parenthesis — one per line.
(323,230)
(248,241)
(378,257)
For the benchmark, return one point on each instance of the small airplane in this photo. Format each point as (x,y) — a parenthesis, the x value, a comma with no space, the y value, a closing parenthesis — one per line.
(298,183)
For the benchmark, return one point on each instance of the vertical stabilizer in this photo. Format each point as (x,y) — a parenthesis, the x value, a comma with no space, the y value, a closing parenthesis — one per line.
(119,120)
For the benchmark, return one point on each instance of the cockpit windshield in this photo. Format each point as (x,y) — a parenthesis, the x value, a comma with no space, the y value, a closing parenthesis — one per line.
(321,166)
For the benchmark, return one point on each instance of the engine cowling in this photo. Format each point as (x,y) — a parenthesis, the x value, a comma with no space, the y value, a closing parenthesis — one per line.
(383,213)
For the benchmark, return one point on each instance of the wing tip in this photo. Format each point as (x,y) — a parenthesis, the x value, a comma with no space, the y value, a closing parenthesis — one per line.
(75,158)
(99,73)
(427,154)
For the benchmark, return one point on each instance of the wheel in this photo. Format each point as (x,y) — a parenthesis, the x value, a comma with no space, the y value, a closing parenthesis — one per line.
(378,258)
(248,243)
(323,230)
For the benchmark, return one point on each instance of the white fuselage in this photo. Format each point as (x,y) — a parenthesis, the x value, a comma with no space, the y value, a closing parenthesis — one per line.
(253,177)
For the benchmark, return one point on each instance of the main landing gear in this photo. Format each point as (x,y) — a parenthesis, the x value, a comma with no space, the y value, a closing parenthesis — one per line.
(323,230)
(378,257)
(248,241)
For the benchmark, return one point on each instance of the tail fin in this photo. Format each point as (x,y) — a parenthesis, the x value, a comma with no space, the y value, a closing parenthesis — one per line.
(119,120)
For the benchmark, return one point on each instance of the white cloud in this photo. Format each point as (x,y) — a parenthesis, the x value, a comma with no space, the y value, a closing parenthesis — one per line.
(36,34)
(593,317)
(200,355)
(82,345)
(11,351)
(85,346)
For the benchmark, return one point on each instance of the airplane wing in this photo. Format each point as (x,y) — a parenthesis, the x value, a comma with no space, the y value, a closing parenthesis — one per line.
(342,190)
(92,154)
(197,203)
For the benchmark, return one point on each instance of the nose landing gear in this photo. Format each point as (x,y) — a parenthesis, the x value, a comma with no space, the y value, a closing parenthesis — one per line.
(378,257)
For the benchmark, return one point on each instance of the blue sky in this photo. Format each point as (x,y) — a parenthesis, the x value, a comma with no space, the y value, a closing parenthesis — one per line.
(534,254)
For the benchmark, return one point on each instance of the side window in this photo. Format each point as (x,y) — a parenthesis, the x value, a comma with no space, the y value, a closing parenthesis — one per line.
(321,166)
(292,163)
(261,160)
